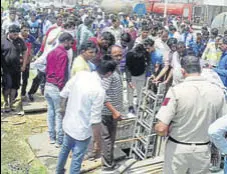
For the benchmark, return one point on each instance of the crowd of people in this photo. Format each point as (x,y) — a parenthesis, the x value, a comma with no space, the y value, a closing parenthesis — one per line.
(83,56)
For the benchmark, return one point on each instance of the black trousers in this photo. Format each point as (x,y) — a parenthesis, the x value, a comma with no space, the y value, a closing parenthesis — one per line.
(108,133)
(40,79)
(25,77)
(11,78)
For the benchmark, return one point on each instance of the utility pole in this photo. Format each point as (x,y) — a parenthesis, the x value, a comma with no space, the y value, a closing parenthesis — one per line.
(165,9)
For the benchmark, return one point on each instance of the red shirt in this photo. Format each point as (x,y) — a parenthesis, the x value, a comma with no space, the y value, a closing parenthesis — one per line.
(74,48)
(57,67)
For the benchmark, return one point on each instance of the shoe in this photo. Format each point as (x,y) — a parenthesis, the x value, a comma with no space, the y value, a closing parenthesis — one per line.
(214,169)
(52,141)
(6,107)
(57,145)
(31,98)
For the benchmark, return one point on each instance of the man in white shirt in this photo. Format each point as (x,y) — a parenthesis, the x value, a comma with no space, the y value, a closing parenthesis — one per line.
(83,109)
(144,35)
(116,29)
(10,21)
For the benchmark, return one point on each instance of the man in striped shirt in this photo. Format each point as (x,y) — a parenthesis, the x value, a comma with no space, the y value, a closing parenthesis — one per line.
(112,110)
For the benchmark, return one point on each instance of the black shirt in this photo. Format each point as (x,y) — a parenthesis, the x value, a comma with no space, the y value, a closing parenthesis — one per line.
(11,53)
(136,64)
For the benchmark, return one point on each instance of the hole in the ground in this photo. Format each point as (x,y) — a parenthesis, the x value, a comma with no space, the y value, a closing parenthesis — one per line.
(127,151)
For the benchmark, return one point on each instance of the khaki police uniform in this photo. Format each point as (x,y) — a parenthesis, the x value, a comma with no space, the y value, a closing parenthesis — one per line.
(189,108)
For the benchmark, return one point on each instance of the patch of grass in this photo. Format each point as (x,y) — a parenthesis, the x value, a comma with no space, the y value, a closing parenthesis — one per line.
(37,168)
(14,146)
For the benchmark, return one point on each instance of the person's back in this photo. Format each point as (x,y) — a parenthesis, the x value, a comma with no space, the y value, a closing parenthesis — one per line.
(185,116)
(191,123)
(137,61)
(56,68)
(81,97)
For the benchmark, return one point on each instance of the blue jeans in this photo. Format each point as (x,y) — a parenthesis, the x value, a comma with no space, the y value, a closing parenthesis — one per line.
(78,148)
(54,117)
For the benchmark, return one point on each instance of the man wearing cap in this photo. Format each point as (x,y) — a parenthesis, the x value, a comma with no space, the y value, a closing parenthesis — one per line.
(13,55)
(10,21)
(186,113)
(221,69)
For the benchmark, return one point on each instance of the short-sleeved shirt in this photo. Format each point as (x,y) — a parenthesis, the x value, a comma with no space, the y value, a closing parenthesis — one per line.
(190,107)
(114,92)
(34,28)
(84,106)
(11,53)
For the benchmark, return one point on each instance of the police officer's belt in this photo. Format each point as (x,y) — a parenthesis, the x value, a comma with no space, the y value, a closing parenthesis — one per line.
(178,142)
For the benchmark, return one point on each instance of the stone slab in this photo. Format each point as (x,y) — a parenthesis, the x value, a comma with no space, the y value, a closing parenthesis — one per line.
(47,153)
(36,106)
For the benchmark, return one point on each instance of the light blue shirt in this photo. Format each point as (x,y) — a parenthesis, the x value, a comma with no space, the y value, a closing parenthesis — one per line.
(156,58)
(217,132)
(187,38)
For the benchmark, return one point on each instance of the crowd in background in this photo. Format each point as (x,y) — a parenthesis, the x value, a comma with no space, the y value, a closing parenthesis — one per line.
(62,43)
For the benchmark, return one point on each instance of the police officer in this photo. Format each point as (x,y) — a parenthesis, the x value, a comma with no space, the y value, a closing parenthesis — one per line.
(186,113)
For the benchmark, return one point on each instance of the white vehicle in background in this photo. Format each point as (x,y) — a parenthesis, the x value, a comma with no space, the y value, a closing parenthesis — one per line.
(220,22)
